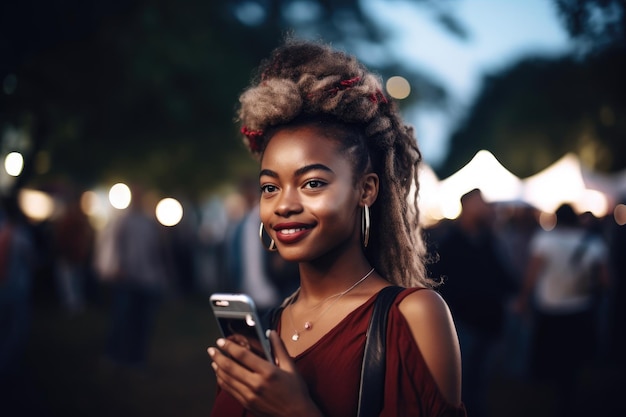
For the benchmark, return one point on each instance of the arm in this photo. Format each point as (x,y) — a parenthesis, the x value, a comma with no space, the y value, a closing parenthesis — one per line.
(433,329)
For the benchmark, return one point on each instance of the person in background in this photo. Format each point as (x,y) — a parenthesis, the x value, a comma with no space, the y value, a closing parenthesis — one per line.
(617,261)
(567,267)
(477,284)
(17,262)
(337,167)
(73,241)
(141,273)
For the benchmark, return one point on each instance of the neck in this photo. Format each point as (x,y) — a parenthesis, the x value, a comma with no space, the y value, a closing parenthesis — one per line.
(318,281)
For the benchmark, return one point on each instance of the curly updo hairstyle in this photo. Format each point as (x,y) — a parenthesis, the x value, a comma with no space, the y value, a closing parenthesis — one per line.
(309,82)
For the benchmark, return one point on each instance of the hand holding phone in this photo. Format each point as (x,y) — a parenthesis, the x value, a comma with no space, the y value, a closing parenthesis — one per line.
(239,322)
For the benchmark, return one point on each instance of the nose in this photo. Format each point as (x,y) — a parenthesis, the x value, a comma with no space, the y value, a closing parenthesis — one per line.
(288,202)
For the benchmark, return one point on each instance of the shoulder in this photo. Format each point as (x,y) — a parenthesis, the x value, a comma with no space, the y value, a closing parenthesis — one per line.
(426,311)
(418,301)
(432,327)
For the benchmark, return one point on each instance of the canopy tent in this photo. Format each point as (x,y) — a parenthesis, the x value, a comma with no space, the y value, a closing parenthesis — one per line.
(485,172)
(613,186)
(560,182)
(428,201)
(567,180)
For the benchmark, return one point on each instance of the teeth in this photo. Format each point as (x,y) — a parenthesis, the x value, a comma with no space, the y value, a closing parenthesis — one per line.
(291,231)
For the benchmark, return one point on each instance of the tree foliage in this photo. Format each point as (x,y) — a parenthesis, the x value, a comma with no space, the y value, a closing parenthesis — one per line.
(145,90)
(594,24)
(532,113)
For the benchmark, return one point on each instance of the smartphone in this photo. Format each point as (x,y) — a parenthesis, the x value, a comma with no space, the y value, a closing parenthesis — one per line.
(239,322)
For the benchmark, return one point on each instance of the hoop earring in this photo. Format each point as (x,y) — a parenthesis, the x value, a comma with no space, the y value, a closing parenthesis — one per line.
(365,225)
(272,247)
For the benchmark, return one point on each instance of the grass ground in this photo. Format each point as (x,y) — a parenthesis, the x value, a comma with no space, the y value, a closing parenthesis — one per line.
(64,373)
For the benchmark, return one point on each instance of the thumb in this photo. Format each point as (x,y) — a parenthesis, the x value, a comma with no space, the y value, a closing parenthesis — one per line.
(281,356)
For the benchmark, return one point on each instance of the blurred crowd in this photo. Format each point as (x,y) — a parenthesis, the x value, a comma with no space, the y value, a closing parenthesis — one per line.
(130,266)
(528,303)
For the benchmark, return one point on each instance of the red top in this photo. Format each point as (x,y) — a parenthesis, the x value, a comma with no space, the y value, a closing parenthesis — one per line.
(332,368)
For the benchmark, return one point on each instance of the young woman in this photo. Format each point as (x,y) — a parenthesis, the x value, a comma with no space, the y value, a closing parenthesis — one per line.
(338,179)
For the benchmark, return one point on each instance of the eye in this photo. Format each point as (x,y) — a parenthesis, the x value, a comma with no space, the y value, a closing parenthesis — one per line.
(314,184)
(268,188)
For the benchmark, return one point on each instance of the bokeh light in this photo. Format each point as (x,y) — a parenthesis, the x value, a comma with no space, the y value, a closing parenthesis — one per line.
(14,163)
(120,196)
(95,204)
(89,203)
(169,212)
(36,205)
(547,221)
(398,87)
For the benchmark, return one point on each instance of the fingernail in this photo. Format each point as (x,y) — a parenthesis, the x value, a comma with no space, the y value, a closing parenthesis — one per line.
(211,351)
(214,366)
(267,333)
(221,342)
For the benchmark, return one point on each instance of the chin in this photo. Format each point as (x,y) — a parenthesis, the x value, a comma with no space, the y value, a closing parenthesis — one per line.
(295,255)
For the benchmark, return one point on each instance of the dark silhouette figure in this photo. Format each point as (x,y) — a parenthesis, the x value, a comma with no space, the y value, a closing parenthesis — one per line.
(477,282)
(17,259)
(142,269)
(567,266)
(73,241)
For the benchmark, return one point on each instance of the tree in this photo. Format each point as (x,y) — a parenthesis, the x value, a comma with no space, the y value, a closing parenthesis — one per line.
(594,24)
(145,90)
(532,113)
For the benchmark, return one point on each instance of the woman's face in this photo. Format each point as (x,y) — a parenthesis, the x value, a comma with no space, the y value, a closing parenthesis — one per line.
(309,201)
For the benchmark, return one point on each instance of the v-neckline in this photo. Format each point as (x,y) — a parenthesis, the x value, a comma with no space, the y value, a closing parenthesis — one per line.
(332,331)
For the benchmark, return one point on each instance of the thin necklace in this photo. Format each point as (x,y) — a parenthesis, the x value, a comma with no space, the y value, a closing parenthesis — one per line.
(308,325)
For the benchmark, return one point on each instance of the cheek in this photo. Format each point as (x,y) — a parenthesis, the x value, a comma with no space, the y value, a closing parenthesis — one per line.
(337,209)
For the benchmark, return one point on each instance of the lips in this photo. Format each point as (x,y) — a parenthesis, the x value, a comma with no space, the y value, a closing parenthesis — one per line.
(290,233)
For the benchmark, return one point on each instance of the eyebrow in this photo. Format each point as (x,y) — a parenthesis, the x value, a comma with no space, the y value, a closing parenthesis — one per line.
(299,171)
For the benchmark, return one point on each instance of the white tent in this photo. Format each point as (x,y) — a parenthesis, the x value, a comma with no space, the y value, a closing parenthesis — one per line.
(485,172)
(564,181)
(613,186)
(568,181)
(428,199)
(560,182)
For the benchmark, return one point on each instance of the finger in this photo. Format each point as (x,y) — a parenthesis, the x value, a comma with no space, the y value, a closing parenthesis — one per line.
(242,384)
(228,384)
(243,355)
(231,376)
(281,356)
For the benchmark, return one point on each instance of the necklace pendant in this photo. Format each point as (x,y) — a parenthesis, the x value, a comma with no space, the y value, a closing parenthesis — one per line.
(308,325)
(295,337)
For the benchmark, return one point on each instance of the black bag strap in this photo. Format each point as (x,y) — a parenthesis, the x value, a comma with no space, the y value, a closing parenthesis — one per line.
(371,389)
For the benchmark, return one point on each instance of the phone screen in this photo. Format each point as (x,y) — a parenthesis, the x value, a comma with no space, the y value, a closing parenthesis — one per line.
(242,330)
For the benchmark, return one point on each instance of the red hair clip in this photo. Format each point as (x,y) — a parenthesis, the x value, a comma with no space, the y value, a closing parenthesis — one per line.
(349,83)
(343,85)
(254,138)
(378,97)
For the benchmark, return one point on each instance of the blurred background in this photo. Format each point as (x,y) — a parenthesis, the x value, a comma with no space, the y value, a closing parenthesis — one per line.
(117,132)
